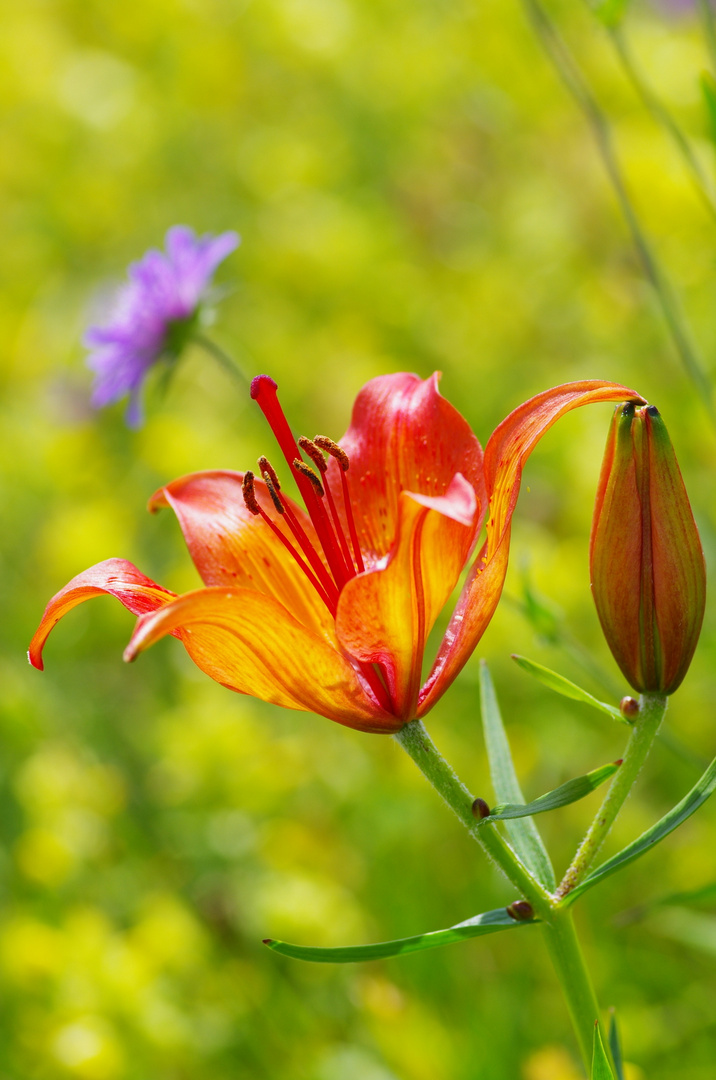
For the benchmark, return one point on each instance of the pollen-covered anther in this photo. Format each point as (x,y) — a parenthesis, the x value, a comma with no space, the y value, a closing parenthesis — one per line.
(247,490)
(275,497)
(269,473)
(314,452)
(306,470)
(334,450)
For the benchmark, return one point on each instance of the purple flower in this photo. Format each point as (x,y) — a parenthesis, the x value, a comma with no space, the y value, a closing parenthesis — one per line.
(153,314)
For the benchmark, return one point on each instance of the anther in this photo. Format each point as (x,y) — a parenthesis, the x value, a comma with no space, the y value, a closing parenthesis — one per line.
(334,450)
(268,471)
(306,470)
(247,490)
(311,448)
(275,499)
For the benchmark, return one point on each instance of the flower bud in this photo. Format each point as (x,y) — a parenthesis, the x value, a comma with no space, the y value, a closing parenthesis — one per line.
(646,563)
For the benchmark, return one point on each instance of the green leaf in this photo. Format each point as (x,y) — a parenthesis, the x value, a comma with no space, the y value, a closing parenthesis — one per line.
(601,1069)
(523,833)
(561,796)
(675,817)
(491,922)
(615,1047)
(563,686)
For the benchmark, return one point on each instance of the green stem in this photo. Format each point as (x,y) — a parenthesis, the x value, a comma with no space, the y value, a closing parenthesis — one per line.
(226,361)
(566,954)
(572,77)
(557,921)
(651,713)
(416,742)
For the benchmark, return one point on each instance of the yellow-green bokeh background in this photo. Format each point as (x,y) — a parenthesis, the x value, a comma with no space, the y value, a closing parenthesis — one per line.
(414,190)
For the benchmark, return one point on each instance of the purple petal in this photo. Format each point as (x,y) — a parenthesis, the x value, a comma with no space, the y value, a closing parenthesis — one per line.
(162,289)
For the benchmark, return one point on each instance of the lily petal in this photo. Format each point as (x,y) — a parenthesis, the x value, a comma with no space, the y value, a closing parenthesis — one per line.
(385,615)
(506,452)
(231,546)
(248,642)
(404,436)
(116,577)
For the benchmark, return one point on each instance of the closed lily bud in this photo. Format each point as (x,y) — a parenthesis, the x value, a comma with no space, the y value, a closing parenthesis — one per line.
(646,563)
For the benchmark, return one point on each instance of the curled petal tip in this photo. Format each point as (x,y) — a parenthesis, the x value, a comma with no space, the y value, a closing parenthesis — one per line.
(35,660)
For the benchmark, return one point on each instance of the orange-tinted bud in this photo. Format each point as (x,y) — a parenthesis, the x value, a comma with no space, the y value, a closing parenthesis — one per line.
(647,567)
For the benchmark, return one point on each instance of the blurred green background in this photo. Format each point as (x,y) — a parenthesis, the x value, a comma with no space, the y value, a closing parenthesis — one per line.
(415,190)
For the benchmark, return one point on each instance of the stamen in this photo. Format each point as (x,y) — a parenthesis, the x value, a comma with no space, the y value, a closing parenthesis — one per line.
(329,600)
(343,460)
(264,393)
(247,490)
(334,450)
(314,451)
(275,499)
(351,524)
(327,591)
(267,469)
(306,470)
(311,448)
(273,487)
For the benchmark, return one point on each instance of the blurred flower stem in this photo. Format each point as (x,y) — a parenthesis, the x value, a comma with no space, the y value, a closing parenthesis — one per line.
(227,362)
(661,114)
(571,75)
(709,23)
(652,707)
(561,937)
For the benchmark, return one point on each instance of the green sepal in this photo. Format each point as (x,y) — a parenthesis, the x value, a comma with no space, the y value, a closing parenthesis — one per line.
(601,1069)
(698,795)
(563,686)
(563,795)
(523,833)
(491,922)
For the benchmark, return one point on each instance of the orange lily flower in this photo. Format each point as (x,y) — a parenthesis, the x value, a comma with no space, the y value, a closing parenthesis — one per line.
(329,609)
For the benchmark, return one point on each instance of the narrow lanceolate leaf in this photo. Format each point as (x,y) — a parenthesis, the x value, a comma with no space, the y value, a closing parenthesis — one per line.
(561,796)
(563,686)
(523,833)
(601,1069)
(675,817)
(491,922)
(615,1047)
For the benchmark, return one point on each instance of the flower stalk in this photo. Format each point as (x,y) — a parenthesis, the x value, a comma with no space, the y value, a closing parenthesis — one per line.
(646,725)
(558,925)
(416,742)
